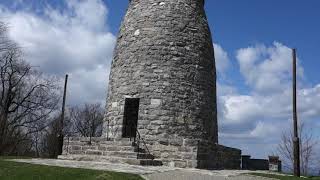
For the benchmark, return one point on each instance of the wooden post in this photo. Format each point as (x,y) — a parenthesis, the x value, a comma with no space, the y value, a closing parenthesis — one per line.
(64,102)
(296,141)
(61,135)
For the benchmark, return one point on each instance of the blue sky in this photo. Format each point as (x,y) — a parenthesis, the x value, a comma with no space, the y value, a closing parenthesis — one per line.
(236,24)
(293,22)
(252,43)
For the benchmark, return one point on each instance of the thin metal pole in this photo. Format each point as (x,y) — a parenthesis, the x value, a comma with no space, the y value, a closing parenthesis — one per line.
(296,140)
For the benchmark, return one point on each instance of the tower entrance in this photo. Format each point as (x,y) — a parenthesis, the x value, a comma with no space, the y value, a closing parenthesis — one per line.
(130,118)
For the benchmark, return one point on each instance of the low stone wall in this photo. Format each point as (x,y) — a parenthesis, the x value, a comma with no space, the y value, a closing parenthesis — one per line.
(196,154)
(273,164)
(172,152)
(259,164)
(95,146)
(221,157)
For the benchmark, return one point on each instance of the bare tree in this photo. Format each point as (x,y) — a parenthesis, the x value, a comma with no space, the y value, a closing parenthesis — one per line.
(27,97)
(49,142)
(307,149)
(318,167)
(87,120)
(5,43)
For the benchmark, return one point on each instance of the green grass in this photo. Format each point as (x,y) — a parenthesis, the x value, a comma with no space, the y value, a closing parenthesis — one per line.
(14,157)
(284,177)
(24,171)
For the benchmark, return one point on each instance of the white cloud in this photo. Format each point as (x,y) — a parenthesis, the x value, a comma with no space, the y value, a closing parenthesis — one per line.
(222,59)
(261,115)
(248,113)
(263,130)
(89,85)
(267,69)
(90,13)
(240,109)
(72,40)
(223,89)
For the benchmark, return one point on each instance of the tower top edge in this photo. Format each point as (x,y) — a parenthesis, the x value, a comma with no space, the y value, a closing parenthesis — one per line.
(203,1)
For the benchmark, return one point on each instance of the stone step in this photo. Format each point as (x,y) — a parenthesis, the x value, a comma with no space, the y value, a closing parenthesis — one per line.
(145,156)
(95,139)
(107,143)
(131,161)
(151,163)
(125,154)
(109,146)
(120,143)
(116,148)
(102,147)
(140,150)
(78,157)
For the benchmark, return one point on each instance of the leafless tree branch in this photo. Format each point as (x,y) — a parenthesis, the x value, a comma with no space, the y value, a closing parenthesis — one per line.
(307,149)
(27,97)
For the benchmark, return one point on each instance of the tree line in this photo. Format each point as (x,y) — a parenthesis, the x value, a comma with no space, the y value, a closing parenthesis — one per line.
(29,107)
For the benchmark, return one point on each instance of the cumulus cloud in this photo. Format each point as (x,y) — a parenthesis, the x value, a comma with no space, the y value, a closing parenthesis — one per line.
(74,40)
(266,69)
(240,109)
(262,114)
(222,58)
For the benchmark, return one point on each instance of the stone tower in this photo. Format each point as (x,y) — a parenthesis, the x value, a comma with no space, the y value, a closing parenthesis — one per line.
(162,92)
(164,70)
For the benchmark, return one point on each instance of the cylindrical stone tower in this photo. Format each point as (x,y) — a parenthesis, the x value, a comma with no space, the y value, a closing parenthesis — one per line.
(161,107)
(163,78)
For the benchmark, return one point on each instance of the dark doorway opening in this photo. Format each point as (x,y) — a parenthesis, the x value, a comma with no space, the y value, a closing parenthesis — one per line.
(130,118)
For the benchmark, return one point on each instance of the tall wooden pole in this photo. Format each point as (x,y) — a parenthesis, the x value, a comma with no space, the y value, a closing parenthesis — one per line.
(61,135)
(64,102)
(296,140)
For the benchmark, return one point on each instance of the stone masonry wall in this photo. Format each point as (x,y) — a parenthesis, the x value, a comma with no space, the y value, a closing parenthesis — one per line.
(196,154)
(186,154)
(164,56)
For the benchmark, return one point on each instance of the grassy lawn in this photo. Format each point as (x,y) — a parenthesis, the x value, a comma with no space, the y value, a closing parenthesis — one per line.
(23,171)
(283,177)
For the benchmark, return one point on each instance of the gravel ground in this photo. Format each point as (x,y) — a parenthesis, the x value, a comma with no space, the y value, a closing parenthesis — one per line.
(195,175)
(150,173)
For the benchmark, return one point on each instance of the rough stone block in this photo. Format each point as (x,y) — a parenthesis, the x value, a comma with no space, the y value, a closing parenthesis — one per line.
(155,102)
(92,152)
(76,148)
